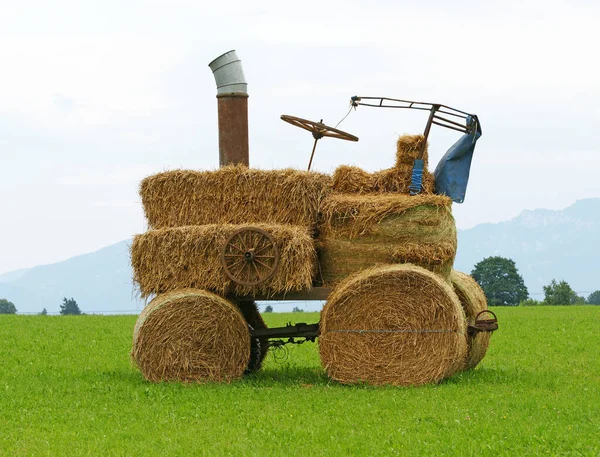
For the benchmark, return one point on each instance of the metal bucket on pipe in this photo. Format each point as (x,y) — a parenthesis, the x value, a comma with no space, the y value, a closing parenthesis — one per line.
(232,99)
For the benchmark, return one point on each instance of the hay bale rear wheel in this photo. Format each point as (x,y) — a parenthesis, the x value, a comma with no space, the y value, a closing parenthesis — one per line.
(473,301)
(250,256)
(259,347)
(392,324)
(191,335)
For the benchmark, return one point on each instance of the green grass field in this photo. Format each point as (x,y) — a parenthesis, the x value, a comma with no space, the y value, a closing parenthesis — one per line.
(67,387)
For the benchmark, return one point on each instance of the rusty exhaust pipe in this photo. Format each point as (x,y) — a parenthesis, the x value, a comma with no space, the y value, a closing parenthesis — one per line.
(232,99)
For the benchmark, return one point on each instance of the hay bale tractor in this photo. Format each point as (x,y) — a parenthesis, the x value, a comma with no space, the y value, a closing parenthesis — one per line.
(377,247)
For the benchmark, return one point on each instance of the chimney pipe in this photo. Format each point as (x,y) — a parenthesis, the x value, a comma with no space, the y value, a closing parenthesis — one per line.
(232,99)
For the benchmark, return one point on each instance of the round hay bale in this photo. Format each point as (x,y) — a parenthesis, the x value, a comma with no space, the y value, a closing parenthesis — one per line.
(259,347)
(359,231)
(473,301)
(394,324)
(191,335)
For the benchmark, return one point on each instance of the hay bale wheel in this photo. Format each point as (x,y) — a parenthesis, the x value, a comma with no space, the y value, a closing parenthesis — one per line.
(473,301)
(393,324)
(191,335)
(259,347)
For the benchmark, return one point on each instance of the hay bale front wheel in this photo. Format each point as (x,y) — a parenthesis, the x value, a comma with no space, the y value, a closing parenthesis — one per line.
(392,324)
(191,335)
(250,256)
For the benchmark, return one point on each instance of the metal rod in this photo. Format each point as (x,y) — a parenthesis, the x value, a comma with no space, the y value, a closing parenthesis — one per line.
(312,153)
(448,121)
(434,108)
(462,116)
(301,330)
(410,102)
(316,293)
(450,127)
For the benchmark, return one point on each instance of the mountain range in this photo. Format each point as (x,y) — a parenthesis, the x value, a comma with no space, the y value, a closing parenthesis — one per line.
(545,245)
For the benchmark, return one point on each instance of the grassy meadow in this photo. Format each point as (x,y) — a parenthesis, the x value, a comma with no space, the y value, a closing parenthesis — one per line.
(67,387)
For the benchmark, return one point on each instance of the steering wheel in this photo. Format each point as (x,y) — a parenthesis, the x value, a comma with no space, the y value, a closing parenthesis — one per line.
(318,130)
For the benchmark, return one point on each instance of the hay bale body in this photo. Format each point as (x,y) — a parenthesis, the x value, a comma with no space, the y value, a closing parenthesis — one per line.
(359,231)
(349,179)
(173,258)
(473,301)
(394,324)
(191,335)
(233,194)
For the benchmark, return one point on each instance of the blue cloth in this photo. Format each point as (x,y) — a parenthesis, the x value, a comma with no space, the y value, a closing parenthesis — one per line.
(452,172)
(416,182)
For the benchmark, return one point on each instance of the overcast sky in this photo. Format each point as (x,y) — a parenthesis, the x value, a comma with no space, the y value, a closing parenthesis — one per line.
(96,95)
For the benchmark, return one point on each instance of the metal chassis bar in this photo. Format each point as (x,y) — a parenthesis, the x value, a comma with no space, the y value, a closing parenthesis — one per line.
(316,293)
(301,330)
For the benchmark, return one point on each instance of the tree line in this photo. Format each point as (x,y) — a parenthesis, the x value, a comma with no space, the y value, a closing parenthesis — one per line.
(69,307)
(503,285)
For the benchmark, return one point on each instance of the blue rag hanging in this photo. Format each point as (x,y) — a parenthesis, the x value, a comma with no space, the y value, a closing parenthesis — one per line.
(452,172)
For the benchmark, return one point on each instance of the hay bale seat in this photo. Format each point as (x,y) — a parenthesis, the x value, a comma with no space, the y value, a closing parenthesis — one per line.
(173,258)
(192,336)
(359,231)
(473,301)
(350,179)
(393,324)
(233,194)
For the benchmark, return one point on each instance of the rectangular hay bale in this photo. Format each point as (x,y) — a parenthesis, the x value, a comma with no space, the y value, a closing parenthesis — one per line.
(233,194)
(173,258)
(359,231)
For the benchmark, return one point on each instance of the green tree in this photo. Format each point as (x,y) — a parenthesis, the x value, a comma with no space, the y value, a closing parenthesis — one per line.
(268,309)
(560,293)
(594,298)
(44,312)
(530,302)
(7,307)
(500,280)
(297,310)
(69,306)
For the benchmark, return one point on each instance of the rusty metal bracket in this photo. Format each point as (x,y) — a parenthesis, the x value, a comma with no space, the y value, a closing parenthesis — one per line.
(484,325)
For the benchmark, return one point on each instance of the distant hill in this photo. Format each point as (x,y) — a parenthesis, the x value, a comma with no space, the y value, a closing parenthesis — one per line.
(99,281)
(13,275)
(544,244)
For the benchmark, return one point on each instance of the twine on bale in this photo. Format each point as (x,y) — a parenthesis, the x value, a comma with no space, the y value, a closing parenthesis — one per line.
(350,179)
(172,258)
(392,324)
(396,331)
(233,194)
(192,336)
(359,231)
(473,301)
